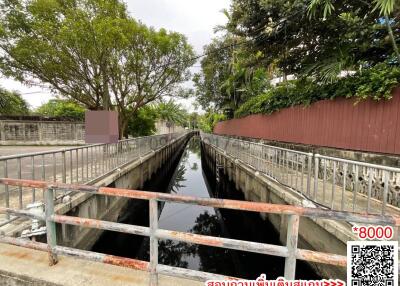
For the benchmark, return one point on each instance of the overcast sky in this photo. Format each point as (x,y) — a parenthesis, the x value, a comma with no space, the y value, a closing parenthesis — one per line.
(194,18)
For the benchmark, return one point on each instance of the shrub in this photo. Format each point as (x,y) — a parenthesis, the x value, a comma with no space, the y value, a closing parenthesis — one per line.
(376,82)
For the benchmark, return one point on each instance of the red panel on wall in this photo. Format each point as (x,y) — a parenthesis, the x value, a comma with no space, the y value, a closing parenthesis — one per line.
(341,123)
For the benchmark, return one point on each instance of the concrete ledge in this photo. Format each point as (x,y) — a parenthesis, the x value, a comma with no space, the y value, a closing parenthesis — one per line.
(322,235)
(15,228)
(22,266)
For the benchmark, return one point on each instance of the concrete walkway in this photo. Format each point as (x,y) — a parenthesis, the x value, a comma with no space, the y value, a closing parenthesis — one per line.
(22,266)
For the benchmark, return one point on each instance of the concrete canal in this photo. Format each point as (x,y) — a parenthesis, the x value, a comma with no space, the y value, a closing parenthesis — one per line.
(186,175)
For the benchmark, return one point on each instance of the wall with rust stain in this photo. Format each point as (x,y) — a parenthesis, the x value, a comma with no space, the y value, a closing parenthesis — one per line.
(341,123)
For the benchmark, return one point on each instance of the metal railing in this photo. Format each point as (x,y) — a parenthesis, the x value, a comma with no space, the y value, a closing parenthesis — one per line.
(73,165)
(290,251)
(335,183)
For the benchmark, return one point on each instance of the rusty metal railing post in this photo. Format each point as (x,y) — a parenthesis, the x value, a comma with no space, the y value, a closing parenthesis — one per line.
(51,227)
(153,223)
(291,244)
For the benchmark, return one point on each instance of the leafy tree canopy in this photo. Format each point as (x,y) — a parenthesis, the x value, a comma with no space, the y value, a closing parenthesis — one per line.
(229,76)
(171,112)
(283,31)
(316,42)
(12,103)
(209,120)
(93,52)
(143,123)
(62,108)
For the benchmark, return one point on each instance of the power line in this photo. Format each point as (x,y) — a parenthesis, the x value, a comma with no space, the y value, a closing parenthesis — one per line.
(33,92)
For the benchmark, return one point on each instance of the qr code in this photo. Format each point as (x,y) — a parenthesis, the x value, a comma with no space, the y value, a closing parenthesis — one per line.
(372,263)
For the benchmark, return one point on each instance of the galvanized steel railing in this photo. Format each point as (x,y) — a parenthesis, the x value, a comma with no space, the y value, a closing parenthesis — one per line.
(334,183)
(73,165)
(290,252)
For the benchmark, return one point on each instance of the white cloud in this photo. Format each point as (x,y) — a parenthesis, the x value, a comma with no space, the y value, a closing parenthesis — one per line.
(194,18)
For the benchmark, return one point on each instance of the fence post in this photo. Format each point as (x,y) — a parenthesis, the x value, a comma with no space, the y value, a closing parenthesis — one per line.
(291,244)
(51,227)
(6,190)
(385,190)
(140,155)
(2,131)
(64,168)
(33,178)
(19,169)
(316,170)
(309,167)
(153,211)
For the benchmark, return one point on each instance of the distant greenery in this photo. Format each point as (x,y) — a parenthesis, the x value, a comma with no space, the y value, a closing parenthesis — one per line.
(143,123)
(12,103)
(376,83)
(62,108)
(208,121)
(228,78)
(171,112)
(193,120)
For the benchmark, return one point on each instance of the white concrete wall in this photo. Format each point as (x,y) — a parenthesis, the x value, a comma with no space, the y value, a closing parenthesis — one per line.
(27,132)
(162,128)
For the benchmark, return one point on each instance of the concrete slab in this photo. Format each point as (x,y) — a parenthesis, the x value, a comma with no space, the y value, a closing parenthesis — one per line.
(22,266)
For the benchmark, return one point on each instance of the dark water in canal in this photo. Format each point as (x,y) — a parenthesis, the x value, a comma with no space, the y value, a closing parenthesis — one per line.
(188,176)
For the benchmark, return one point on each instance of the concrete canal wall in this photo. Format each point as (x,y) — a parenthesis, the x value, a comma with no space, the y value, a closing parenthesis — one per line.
(314,234)
(130,176)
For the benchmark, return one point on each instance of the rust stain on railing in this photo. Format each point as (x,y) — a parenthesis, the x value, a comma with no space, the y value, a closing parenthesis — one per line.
(290,252)
(195,238)
(126,262)
(217,203)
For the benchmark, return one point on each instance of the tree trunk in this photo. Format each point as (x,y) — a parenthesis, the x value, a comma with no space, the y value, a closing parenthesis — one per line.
(105,94)
(392,38)
(122,124)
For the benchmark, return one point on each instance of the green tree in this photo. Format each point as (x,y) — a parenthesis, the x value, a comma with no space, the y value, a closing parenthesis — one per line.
(93,52)
(193,120)
(143,123)
(208,121)
(65,44)
(12,103)
(62,108)
(229,76)
(385,7)
(293,43)
(171,113)
(155,63)
(214,72)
